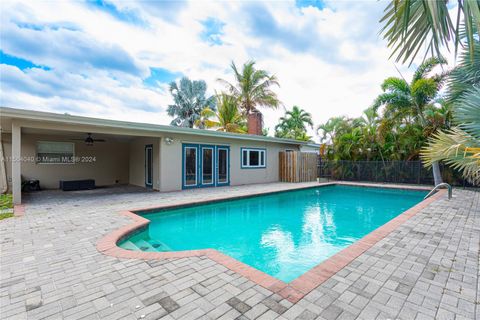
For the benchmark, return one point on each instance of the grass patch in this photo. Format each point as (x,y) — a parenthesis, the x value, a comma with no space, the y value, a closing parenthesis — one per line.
(6,201)
(6,204)
(5,215)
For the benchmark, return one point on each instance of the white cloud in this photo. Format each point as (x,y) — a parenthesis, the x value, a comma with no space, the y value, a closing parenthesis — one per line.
(329,62)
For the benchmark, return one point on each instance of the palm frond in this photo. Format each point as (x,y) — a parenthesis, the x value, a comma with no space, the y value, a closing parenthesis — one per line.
(412,25)
(452,148)
(465,75)
(467,112)
(427,66)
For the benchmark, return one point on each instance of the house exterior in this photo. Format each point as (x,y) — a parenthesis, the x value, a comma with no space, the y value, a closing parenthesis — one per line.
(52,147)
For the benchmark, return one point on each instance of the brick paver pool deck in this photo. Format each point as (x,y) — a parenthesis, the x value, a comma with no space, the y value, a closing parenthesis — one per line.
(426,268)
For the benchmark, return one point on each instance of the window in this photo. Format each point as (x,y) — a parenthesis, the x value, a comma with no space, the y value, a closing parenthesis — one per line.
(253,158)
(55,152)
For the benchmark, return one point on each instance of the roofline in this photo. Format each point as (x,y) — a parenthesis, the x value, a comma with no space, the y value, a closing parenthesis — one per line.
(81,120)
(312,144)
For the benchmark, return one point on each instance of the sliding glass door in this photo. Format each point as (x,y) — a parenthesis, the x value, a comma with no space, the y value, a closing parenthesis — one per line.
(205,165)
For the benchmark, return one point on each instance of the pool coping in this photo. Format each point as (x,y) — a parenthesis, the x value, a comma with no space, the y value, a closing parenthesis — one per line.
(292,291)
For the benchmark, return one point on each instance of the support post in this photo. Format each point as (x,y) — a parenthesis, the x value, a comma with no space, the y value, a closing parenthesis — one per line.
(159,164)
(16,163)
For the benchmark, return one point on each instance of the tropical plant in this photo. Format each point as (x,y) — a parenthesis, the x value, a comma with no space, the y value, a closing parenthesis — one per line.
(460,146)
(205,120)
(383,137)
(413,25)
(328,130)
(189,101)
(226,118)
(252,88)
(406,102)
(293,124)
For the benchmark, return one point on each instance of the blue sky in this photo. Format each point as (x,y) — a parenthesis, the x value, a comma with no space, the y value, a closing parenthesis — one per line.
(115,59)
(18,62)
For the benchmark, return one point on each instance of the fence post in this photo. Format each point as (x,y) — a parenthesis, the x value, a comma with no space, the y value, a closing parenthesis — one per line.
(419,169)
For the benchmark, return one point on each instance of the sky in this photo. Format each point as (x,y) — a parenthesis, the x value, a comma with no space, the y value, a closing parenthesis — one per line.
(115,59)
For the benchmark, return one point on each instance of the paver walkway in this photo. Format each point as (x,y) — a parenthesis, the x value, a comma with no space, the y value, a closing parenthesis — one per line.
(428,268)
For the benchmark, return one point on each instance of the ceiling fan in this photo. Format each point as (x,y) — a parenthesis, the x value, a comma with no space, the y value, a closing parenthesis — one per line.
(89,140)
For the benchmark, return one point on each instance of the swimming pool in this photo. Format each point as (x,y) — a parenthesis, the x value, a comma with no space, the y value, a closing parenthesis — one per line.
(283,234)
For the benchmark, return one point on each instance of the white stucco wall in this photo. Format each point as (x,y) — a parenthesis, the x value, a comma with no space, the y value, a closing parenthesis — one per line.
(137,161)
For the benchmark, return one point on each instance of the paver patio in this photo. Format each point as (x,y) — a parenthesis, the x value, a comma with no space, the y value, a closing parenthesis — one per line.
(428,268)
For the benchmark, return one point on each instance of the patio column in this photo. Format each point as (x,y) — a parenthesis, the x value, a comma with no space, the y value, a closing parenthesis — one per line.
(159,165)
(16,163)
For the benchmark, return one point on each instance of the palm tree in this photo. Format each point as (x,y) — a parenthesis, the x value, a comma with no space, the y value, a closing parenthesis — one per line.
(460,146)
(407,101)
(328,130)
(294,124)
(252,88)
(189,101)
(227,117)
(369,124)
(410,25)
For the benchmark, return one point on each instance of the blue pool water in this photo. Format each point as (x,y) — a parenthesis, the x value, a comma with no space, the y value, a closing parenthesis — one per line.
(283,234)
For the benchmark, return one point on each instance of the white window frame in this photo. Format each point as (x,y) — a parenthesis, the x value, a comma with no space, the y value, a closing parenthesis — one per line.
(260,151)
(38,159)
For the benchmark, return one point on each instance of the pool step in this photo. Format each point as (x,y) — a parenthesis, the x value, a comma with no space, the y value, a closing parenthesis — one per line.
(129,245)
(160,246)
(144,246)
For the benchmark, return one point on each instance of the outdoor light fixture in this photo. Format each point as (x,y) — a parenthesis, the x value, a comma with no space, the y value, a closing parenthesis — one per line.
(168,140)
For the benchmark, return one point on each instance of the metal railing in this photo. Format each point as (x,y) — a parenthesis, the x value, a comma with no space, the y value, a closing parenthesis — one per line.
(408,172)
(438,186)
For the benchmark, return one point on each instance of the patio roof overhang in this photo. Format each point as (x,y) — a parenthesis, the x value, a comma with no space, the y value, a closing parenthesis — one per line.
(125,127)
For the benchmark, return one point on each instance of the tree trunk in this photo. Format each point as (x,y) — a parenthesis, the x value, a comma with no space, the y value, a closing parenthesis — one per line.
(437,176)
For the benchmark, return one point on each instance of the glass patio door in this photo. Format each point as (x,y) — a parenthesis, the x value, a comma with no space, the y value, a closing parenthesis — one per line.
(223,163)
(190,166)
(208,163)
(205,166)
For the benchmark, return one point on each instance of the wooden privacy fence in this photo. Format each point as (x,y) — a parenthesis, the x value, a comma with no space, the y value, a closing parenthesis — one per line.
(298,166)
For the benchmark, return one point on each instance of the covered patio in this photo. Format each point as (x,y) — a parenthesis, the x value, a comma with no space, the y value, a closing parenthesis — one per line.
(50,153)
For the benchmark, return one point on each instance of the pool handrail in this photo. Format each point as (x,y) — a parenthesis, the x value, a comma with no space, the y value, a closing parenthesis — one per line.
(443,184)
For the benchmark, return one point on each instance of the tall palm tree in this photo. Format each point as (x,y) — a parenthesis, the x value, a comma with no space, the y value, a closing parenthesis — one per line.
(294,124)
(413,25)
(226,118)
(407,101)
(252,88)
(189,101)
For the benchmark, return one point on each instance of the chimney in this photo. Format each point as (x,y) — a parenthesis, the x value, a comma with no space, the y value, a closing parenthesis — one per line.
(255,123)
